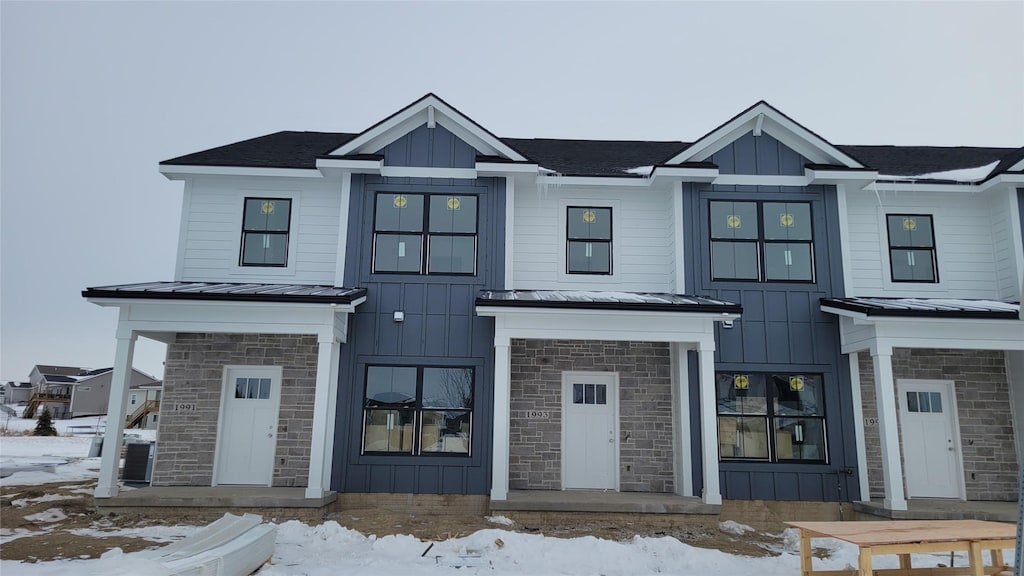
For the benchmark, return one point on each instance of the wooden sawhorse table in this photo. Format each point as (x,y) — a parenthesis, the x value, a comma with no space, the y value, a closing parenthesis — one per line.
(906,537)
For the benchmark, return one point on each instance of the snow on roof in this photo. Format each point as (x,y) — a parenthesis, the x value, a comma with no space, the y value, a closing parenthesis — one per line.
(976,174)
(641,170)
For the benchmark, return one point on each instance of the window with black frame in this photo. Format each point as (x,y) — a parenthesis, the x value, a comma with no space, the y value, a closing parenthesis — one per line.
(761,241)
(416,410)
(588,240)
(771,417)
(266,223)
(912,248)
(425,233)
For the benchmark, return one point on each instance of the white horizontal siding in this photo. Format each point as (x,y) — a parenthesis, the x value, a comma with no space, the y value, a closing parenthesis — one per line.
(642,239)
(212,231)
(1003,253)
(964,237)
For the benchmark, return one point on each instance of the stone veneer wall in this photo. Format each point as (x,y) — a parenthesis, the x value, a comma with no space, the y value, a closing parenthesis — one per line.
(983,409)
(194,372)
(645,410)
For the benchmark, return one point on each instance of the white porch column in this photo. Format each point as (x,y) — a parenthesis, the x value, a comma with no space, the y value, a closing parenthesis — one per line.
(681,420)
(117,408)
(320,450)
(502,399)
(858,427)
(888,430)
(709,423)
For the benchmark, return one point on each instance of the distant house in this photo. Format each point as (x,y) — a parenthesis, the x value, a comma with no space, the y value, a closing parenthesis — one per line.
(71,392)
(15,392)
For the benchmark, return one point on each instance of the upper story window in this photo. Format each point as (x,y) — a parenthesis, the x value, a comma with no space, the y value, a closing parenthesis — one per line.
(425,234)
(762,241)
(266,223)
(414,410)
(771,417)
(588,240)
(912,248)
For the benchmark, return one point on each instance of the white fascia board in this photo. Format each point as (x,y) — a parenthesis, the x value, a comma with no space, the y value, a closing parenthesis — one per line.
(183,172)
(1005,179)
(419,113)
(760,180)
(167,317)
(137,305)
(858,178)
(629,325)
(351,166)
(920,187)
(594,181)
(505,169)
(772,122)
(842,312)
(685,174)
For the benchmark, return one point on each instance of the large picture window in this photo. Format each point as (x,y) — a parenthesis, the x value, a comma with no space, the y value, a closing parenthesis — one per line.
(415,410)
(762,241)
(265,226)
(771,417)
(912,248)
(588,240)
(425,233)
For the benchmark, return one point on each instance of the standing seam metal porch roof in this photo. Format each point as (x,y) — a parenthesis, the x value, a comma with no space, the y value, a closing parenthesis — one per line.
(926,307)
(605,300)
(295,293)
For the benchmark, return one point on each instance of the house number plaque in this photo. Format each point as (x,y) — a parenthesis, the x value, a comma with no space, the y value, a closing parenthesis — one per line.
(183,407)
(538,414)
(871,421)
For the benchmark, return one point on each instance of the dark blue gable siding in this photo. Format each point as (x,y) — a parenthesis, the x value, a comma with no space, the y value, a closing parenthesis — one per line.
(762,154)
(440,326)
(782,328)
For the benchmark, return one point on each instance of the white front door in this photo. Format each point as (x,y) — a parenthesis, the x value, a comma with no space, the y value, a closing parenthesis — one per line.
(931,447)
(590,444)
(248,425)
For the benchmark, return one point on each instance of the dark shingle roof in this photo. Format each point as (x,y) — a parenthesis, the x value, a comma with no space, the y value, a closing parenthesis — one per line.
(917,160)
(229,291)
(591,157)
(595,157)
(603,300)
(926,307)
(278,150)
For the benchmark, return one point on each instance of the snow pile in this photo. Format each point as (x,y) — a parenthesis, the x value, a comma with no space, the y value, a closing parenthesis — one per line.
(500,520)
(640,170)
(48,515)
(22,502)
(732,527)
(975,174)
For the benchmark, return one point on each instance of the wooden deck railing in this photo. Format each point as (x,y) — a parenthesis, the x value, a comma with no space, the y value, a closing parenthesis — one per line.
(137,417)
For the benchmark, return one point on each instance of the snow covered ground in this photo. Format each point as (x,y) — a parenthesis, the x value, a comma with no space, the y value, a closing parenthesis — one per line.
(329,549)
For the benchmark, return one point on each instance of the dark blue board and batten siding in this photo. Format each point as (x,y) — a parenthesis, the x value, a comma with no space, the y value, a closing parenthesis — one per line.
(782,328)
(440,326)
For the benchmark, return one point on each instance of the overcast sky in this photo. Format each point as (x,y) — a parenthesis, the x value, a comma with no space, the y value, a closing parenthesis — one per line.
(95,95)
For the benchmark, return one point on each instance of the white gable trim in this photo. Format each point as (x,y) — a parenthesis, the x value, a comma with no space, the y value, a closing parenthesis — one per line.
(427,110)
(762,118)
(181,172)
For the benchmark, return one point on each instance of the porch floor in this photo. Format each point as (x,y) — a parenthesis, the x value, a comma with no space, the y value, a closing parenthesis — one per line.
(214,497)
(936,509)
(601,501)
